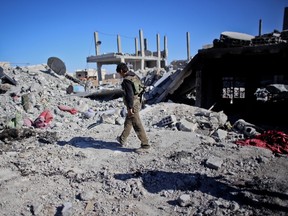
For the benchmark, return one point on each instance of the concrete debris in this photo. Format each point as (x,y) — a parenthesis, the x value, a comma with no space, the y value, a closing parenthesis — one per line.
(185,125)
(184,200)
(169,120)
(272,92)
(194,166)
(6,79)
(220,135)
(237,39)
(249,130)
(214,162)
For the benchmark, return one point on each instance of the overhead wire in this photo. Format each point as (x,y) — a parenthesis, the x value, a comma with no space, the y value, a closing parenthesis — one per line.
(107,34)
(115,35)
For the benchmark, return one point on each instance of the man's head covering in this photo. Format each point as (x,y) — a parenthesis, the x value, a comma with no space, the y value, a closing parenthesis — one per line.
(122,66)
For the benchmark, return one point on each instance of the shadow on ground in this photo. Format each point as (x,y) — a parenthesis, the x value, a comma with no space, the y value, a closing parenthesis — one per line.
(156,181)
(89,142)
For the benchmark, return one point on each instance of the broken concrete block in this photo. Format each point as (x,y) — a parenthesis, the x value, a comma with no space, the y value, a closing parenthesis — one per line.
(26,102)
(214,162)
(220,135)
(88,114)
(185,125)
(6,79)
(168,120)
(249,130)
(108,119)
(5,87)
(184,200)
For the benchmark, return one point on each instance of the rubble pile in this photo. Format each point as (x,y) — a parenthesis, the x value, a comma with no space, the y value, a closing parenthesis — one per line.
(235,39)
(59,156)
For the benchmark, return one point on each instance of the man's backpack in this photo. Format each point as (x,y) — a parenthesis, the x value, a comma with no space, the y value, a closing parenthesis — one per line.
(138,86)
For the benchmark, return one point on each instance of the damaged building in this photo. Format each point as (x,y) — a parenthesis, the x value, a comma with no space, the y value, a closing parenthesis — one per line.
(244,75)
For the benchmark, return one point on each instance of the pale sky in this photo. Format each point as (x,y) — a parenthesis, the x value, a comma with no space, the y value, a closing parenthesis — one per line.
(32,31)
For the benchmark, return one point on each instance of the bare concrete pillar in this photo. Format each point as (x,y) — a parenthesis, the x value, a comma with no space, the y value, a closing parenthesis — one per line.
(99,73)
(285,19)
(97,43)
(188,46)
(142,49)
(165,50)
(119,44)
(198,102)
(158,51)
(145,44)
(260,28)
(136,47)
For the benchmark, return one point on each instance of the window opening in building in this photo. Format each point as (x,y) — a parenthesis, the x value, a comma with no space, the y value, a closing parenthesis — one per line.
(232,88)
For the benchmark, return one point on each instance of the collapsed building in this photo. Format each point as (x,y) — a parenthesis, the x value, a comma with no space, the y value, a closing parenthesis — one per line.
(240,74)
(230,78)
(243,75)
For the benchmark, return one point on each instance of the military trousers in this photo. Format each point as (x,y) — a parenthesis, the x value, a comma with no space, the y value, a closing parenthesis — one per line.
(135,122)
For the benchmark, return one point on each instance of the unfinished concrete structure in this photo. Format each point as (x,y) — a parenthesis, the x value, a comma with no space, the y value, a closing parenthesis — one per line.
(139,60)
(226,76)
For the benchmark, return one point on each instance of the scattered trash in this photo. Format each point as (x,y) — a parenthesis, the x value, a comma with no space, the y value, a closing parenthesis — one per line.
(68,109)
(93,125)
(276,141)
(57,65)
(40,122)
(249,130)
(89,113)
(74,89)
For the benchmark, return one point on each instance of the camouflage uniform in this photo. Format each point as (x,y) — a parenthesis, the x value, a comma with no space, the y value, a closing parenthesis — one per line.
(132,101)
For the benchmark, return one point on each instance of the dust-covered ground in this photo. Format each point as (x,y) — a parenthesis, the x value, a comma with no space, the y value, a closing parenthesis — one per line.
(67,169)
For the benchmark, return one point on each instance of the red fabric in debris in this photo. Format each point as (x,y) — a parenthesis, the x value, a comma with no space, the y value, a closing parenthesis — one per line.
(43,119)
(276,141)
(46,114)
(68,109)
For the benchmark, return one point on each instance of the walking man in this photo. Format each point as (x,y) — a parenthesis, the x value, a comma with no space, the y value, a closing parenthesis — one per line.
(131,86)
